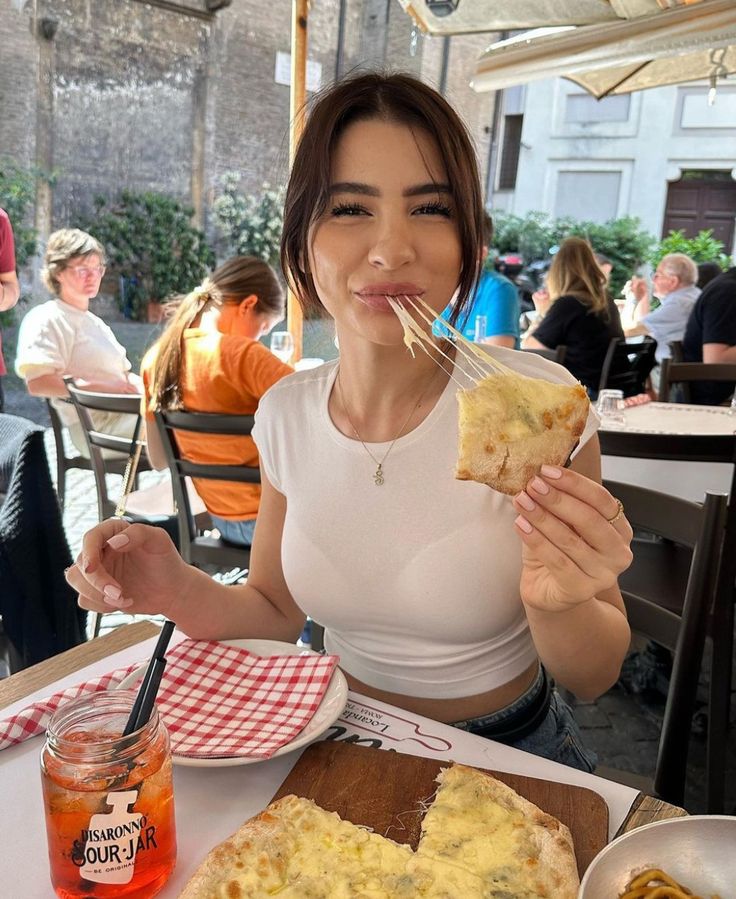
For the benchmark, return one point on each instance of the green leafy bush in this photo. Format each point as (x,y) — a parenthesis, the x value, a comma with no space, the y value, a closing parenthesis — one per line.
(250,225)
(701,248)
(150,241)
(17,198)
(622,240)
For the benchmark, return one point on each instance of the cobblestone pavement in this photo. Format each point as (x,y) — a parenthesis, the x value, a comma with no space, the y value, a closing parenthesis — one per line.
(622,727)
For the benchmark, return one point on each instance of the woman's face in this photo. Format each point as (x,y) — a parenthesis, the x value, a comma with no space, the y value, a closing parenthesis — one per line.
(389,229)
(81,278)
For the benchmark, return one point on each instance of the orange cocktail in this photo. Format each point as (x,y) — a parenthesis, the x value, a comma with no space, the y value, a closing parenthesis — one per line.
(108,800)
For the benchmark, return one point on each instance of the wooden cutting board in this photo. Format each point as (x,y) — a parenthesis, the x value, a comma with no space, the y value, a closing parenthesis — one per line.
(388,792)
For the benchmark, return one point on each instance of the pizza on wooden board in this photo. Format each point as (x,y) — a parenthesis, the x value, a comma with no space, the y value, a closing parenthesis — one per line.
(480,840)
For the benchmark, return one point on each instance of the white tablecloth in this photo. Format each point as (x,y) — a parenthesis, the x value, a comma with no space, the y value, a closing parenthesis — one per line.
(213,802)
(689,480)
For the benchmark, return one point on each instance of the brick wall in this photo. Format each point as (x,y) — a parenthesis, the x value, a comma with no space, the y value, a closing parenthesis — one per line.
(130,94)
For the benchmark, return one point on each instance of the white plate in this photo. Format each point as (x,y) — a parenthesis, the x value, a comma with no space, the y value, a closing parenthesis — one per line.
(328,711)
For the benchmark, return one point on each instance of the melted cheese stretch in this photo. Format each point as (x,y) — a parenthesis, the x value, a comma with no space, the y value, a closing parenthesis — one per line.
(480,363)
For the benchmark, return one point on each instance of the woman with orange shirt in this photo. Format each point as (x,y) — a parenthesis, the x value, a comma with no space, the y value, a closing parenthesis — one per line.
(209,359)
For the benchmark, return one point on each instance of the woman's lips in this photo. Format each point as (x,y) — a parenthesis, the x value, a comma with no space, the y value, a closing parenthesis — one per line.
(377,295)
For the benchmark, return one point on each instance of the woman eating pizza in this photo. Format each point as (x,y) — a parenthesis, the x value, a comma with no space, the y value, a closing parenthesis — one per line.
(441,596)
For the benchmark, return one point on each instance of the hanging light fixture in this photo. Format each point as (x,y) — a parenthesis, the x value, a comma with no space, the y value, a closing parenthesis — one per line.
(715,58)
(442,8)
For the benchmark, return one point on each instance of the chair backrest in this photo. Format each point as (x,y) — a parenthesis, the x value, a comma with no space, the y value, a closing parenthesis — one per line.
(627,365)
(685,373)
(194,547)
(86,402)
(557,355)
(670,592)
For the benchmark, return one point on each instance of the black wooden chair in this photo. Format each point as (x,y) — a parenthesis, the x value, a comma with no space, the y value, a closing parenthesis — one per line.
(683,374)
(556,355)
(720,448)
(195,547)
(670,592)
(86,402)
(66,462)
(627,365)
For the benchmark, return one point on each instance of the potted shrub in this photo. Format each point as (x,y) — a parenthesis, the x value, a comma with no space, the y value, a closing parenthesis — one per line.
(153,249)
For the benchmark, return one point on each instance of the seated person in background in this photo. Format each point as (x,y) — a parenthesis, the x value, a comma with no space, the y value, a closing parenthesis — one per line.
(9,287)
(710,335)
(674,285)
(576,313)
(706,272)
(62,338)
(209,360)
(496,300)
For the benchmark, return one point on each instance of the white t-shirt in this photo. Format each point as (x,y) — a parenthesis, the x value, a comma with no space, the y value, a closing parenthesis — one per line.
(416,581)
(56,338)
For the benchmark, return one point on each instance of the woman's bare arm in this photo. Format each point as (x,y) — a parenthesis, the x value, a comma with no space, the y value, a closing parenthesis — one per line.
(137,567)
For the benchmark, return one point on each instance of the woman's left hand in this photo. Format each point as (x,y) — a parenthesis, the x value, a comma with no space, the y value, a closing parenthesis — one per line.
(575,542)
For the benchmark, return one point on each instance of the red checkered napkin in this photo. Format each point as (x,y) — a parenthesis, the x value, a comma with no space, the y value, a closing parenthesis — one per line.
(221,701)
(34,718)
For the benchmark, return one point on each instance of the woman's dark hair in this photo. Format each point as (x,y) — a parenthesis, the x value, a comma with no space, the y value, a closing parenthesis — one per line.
(394,98)
(706,272)
(234,281)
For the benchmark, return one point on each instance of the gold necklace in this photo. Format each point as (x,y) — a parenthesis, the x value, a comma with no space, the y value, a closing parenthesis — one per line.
(378,478)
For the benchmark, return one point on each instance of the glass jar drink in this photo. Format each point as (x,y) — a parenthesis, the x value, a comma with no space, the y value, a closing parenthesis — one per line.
(108,800)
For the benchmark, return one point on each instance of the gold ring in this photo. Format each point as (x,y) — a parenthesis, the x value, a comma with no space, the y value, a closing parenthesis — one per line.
(619,513)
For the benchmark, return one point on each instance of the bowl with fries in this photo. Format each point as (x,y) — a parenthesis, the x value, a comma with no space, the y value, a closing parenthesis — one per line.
(678,858)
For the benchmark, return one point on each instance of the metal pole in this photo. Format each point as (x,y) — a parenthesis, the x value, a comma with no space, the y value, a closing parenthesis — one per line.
(299,30)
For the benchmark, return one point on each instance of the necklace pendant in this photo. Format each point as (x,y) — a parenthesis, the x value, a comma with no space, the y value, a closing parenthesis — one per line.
(378,476)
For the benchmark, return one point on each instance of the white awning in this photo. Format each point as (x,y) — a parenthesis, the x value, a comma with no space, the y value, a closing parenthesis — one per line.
(683,43)
(444,17)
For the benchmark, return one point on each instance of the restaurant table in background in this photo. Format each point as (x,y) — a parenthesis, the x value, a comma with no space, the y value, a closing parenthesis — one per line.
(212,802)
(689,480)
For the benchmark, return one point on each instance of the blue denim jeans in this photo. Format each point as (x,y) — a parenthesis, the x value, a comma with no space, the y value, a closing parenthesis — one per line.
(239,532)
(557,737)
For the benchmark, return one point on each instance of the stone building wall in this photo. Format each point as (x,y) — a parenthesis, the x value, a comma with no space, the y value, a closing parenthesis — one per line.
(166,96)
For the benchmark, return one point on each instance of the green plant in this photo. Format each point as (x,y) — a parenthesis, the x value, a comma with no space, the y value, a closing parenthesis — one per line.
(17,198)
(701,248)
(622,240)
(151,242)
(249,225)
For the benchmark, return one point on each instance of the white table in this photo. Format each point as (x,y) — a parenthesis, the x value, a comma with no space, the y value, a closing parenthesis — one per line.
(212,802)
(689,480)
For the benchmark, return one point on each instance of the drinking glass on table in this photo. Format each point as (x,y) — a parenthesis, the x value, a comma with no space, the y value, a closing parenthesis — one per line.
(610,407)
(108,800)
(282,345)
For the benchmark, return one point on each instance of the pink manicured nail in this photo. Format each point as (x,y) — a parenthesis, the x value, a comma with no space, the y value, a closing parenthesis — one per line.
(118,540)
(526,502)
(111,592)
(539,485)
(522,523)
(549,471)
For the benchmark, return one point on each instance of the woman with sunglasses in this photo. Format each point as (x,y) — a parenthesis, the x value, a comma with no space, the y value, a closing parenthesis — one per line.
(62,338)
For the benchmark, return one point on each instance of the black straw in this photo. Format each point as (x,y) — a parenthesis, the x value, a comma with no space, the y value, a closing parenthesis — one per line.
(143,705)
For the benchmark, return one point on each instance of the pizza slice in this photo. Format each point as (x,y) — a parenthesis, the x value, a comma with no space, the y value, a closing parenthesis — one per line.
(478,825)
(509,424)
(296,849)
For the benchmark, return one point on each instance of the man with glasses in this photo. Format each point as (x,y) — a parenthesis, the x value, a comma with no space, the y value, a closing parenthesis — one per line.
(674,285)
(63,338)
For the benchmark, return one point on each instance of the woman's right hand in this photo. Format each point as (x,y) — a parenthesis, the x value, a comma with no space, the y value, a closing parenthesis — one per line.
(128,566)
